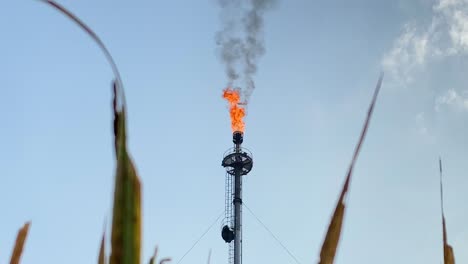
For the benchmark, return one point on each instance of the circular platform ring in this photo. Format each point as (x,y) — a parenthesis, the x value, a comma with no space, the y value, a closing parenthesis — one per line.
(238,162)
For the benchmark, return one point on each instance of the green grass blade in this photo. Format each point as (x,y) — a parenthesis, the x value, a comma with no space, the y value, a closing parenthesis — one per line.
(126,221)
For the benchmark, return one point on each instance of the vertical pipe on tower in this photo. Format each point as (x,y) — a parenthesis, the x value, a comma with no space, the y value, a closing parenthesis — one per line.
(238,164)
(237,139)
(237,217)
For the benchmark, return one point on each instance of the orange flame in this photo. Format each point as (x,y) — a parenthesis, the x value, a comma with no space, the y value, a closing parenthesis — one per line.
(236,112)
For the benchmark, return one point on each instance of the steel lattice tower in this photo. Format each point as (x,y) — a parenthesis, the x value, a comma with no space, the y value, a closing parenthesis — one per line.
(238,162)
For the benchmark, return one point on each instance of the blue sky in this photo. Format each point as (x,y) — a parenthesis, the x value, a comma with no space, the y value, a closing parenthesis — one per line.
(313,88)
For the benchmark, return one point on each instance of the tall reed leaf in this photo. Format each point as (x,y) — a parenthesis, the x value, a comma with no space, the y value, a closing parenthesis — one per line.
(449,258)
(19,244)
(126,221)
(102,250)
(332,238)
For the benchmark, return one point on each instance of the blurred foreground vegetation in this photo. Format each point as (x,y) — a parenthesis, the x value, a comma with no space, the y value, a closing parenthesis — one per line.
(127,215)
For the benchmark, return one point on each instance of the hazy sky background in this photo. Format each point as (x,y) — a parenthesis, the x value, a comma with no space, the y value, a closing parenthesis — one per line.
(313,88)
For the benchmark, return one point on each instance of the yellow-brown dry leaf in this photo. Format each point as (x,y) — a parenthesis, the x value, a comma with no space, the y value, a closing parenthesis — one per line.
(327,254)
(20,240)
(332,238)
(330,244)
(102,250)
(449,258)
(448,255)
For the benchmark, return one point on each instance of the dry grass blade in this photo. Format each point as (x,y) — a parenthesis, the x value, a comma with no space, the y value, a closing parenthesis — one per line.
(155,255)
(126,221)
(19,244)
(327,254)
(449,258)
(165,260)
(332,238)
(102,250)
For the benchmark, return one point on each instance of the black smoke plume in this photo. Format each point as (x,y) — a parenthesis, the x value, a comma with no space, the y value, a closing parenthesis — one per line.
(241,41)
